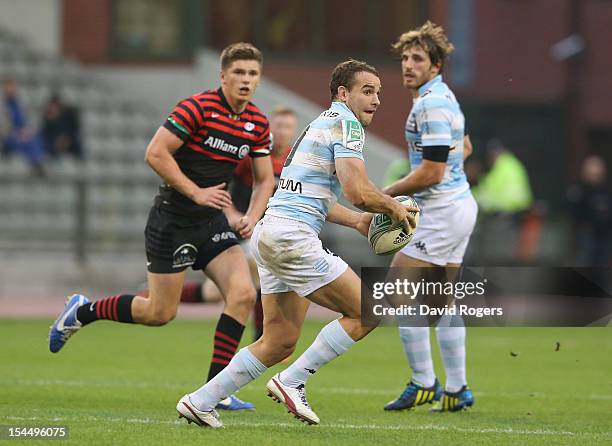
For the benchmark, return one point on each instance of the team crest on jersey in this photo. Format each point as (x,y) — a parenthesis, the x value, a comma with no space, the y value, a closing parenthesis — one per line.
(243,151)
(185,255)
(249,126)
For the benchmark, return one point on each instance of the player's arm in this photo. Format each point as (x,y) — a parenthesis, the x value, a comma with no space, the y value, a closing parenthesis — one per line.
(467,146)
(341,215)
(435,120)
(363,194)
(263,186)
(429,173)
(233,215)
(159,156)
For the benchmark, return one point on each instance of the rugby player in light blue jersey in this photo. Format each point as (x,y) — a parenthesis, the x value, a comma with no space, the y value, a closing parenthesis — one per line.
(435,136)
(327,159)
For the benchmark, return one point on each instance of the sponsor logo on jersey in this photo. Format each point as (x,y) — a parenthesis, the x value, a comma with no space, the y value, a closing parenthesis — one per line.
(228,235)
(290,185)
(354,131)
(355,145)
(353,135)
(224,146)
(330,114)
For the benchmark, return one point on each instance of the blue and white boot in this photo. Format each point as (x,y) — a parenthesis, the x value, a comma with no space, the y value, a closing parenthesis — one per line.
(66,324)
(232,402)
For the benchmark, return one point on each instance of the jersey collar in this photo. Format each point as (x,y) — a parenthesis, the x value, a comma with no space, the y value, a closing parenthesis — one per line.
(430,84)
(341,107)
(227,105)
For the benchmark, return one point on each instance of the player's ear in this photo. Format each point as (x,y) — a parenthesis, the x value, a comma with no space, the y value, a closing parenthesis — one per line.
(342,93)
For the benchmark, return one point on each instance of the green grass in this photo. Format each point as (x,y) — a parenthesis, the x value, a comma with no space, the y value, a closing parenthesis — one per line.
(118,384)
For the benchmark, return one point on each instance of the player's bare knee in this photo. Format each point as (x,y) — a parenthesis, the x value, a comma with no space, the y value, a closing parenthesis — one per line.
(279,347)
(353,313)
(242,296)
(277,350)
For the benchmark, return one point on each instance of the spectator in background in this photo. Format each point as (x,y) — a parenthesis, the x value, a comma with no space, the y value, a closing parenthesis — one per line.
(509,226)
(591,206)
(504,188)
(61,129)
(19,138)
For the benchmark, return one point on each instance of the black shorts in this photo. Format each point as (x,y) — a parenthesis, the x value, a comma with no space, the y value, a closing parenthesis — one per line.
(173,242)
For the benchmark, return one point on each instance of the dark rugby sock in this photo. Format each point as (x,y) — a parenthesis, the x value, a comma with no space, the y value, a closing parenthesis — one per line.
(192,292)
(227,338)
(114,308)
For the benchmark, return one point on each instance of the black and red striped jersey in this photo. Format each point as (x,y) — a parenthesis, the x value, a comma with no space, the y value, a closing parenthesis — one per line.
(242,184)
(215,140)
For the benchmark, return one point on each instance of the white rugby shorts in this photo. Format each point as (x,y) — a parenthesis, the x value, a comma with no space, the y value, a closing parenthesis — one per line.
(444,231)
(290,257)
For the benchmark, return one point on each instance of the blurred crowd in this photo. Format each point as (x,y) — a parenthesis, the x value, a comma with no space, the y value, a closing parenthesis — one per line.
(512,221)
(509,210)
(499,180)
(57,135)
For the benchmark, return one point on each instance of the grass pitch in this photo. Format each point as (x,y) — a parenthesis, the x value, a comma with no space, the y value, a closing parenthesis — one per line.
(119,384)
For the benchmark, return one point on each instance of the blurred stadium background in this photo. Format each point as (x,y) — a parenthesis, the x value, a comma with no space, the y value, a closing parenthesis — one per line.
(530,73)
(534,77)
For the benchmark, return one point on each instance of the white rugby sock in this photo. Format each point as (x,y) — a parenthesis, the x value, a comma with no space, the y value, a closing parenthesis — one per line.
(242,369)
(452,348)
(418,351)
(331,342)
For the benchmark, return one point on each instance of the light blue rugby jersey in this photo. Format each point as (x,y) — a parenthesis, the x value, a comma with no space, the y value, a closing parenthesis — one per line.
(308,186)
(436,120)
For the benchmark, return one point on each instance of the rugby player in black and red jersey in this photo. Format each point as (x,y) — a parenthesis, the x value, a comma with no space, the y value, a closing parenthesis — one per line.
(195,152)
(283,128)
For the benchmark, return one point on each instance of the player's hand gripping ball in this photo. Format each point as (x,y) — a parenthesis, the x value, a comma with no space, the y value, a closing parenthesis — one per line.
(385,236)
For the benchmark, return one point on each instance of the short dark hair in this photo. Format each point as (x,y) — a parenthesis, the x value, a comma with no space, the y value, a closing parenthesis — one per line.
(240,51)
(344,75)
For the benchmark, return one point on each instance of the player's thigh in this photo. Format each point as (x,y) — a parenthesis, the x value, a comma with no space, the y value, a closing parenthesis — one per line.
(405,267)
(230,272)
(284,315)
(401,260)
(342,295)
(165,291)
(211,291)
(253,269)
(452,270)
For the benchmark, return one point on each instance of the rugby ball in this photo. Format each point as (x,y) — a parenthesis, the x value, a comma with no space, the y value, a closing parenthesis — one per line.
(385,240)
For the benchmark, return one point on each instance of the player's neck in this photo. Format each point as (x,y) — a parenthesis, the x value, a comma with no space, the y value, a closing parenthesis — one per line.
(237,105)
